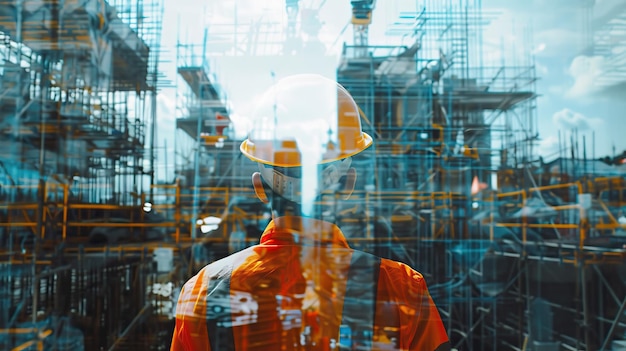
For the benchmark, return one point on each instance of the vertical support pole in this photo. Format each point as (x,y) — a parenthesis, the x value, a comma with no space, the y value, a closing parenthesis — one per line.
(41,210)
(580,261)
(153,127)
(524,224)
(614,325)
(142,214)
(583,281)
(177,211)
(196,191)
(65,210)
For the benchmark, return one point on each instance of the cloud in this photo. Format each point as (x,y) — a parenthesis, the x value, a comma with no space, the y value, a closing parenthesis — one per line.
(585,70)
(605,7)
(555,42)
(542,69)
(549,147)
(166,107)
(246,10)
(539,48)
(571,120)
(509,35)
(241,125)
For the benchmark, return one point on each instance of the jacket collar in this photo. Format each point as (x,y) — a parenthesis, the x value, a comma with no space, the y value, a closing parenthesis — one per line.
(302,230)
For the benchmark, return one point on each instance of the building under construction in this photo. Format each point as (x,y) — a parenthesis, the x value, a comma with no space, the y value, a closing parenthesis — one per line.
(518,253)
(79,83)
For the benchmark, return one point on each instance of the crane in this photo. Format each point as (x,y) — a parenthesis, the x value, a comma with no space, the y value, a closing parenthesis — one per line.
(361,19)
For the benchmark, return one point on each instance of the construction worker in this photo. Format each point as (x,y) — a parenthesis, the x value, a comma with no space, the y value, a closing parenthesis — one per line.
(302,287)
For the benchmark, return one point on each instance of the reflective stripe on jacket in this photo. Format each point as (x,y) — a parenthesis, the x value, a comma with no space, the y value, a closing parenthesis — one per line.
(292,292)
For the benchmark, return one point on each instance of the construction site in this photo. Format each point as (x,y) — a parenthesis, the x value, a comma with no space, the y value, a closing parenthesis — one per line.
(519,253)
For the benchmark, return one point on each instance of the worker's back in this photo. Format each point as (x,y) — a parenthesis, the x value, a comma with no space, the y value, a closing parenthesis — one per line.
(289,293)
(303,287)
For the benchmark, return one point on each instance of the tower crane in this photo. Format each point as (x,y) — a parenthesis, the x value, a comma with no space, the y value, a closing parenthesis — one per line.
(361,19)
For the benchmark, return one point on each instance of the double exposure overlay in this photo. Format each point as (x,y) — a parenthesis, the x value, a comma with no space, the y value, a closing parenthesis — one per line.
(312,175)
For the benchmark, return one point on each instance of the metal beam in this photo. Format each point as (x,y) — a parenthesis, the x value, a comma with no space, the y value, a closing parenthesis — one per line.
(615,322)
(147,308)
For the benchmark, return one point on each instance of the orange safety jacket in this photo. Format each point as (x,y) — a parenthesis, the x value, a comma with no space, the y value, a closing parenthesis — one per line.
(299,291)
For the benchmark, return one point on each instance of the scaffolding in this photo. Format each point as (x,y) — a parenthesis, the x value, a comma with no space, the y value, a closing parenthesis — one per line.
(446,125)
(204,128)
(283,28)
(60,302)
(609,43)
(518,253)
(511,267)
(78,108)
(207,147)
(440,118)
(77,117)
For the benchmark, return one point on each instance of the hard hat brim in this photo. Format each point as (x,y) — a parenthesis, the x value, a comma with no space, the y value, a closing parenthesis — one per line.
(247,149)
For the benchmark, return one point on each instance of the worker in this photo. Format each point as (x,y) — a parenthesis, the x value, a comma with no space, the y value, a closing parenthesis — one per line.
(302,287)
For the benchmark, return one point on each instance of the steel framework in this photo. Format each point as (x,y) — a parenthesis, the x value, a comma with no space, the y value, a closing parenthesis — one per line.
(77,118)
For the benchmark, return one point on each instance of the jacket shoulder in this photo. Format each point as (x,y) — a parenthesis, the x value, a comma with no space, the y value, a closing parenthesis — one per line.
(400,270)
(401,283)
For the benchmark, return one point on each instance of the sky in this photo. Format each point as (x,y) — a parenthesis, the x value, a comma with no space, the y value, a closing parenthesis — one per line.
(556,35)
(573,95)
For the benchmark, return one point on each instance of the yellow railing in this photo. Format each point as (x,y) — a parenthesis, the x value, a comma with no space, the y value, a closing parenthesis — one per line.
(183,206)
(573,216)
(37,342)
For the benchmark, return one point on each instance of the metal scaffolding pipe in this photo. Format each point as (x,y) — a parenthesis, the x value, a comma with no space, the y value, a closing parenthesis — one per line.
(146,309)
(609,335)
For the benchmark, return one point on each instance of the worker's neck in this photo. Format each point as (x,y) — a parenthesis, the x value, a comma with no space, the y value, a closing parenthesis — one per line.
(303,224)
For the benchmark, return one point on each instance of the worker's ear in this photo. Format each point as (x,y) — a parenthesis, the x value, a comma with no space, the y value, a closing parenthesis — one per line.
(350,183)
(257,183)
